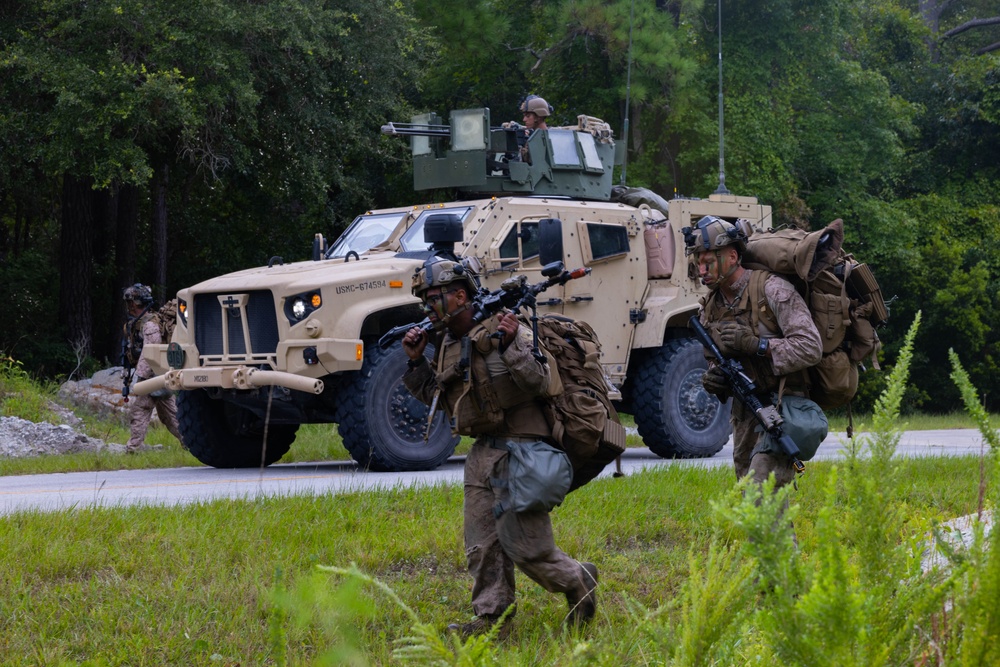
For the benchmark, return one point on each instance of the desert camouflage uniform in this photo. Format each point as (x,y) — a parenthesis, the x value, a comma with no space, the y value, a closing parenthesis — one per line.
(140,408)
(794,347)
(495,544)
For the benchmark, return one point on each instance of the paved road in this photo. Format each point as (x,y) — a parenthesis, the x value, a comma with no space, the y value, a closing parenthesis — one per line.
(175,486)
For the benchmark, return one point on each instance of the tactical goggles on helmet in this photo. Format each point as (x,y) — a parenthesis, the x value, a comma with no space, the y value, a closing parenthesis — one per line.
(712,233)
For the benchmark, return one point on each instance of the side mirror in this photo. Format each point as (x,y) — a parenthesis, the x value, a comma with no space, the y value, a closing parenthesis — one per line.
(319,247)
(550,243)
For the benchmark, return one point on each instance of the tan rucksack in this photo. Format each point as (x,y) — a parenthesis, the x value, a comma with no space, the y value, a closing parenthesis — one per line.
(584,422)
(165,318)
(842,294)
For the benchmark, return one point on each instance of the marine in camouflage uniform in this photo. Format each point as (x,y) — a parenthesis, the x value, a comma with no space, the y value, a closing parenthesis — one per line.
(534,111)
(759,319)
(142,329)
(494,397)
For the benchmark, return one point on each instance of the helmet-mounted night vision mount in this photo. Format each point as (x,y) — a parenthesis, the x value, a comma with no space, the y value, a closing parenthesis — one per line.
(712,233)
(139,294)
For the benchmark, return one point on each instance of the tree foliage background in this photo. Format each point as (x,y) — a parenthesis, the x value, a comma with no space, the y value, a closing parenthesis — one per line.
(167,142)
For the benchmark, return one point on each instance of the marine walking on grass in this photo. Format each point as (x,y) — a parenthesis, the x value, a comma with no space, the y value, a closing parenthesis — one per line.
(759,319)
(490,385)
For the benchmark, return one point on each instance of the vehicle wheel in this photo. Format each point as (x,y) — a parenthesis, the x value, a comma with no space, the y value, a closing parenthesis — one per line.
(383,424)
(224,435)
(675,416)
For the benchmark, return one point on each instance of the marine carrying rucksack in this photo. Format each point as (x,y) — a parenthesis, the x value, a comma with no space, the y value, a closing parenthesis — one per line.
(842,294)
(584,422)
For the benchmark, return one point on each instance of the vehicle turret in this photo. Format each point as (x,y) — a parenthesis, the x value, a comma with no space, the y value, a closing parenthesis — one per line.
(478,159)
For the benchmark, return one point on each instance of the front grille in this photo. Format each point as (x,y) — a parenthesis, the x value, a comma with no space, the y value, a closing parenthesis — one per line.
(235,327)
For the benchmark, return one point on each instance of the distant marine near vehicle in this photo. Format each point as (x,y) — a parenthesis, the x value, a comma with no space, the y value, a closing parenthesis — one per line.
(259,352)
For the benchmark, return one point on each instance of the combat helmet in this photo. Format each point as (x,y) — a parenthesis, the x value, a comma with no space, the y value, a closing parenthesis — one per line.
(712,233)
(438,272)
(536,105)
(139,294)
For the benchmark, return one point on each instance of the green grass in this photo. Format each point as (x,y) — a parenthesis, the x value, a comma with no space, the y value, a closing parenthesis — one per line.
(200,585)
(911,422)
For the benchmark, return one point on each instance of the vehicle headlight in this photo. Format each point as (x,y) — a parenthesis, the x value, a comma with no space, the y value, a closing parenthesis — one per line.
(300,306)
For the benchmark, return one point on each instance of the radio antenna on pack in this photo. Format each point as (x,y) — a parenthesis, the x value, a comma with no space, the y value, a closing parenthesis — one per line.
(721,190)
(628,89)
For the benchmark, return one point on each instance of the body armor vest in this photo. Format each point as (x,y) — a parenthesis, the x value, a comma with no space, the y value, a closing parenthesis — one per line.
(751,309)
(480,394)
(134,335)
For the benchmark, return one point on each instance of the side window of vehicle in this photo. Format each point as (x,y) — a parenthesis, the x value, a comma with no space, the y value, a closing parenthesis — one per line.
(529,244)
(603,241)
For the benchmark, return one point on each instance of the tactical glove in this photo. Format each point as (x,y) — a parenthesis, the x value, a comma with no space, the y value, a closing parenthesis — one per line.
(735,338)
(714,382)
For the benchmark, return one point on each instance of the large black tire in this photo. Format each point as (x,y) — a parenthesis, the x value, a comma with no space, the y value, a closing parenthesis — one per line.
(381,422)
(223,435)
(675,416)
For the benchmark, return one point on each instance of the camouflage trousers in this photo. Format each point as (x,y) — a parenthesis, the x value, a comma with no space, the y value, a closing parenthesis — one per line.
(494,545)
(746,435)
(140,413)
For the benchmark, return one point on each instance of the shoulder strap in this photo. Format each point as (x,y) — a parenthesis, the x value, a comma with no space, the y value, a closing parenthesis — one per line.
(758,301)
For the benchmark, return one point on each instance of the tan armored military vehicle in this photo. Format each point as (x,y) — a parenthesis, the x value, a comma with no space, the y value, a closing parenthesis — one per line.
(258,352)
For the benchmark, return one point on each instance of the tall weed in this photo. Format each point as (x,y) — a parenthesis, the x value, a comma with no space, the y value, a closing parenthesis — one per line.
(20,396)
(969,632)
(853,601)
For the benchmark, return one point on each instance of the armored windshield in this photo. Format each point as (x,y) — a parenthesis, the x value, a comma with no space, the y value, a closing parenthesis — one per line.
(366,232)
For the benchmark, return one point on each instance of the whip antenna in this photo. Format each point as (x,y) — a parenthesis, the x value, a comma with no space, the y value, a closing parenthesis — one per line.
(628,89)
(721,190)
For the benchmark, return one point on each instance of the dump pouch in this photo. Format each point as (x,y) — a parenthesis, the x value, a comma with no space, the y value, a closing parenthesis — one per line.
(804,422)
(538,477)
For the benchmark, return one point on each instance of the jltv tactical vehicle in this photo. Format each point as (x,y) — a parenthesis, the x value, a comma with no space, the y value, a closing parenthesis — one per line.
(258,352)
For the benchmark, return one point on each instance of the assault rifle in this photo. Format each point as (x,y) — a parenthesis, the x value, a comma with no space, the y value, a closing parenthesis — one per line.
(514,293)
(745,390)
(128,370)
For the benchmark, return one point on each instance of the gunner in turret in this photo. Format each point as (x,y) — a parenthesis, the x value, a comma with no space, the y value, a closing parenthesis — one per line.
(535,110)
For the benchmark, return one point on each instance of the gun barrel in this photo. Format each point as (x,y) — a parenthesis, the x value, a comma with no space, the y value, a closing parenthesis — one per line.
(744,389)
(416,130)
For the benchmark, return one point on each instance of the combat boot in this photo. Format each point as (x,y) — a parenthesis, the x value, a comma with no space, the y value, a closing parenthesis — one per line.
(480,625)
(583,600)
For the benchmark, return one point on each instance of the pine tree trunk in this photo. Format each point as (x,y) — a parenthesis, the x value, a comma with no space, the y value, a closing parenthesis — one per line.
(159,231)
(75,262)
(126,240)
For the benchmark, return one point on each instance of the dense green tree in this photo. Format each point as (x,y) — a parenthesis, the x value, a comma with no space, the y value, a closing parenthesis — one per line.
(272,103)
